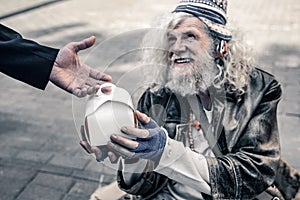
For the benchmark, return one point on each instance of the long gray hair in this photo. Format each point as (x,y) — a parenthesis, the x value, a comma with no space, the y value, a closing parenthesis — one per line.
(234,70)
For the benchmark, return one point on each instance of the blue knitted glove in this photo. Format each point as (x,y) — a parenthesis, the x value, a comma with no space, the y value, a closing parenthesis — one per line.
(151,147)
(150,142)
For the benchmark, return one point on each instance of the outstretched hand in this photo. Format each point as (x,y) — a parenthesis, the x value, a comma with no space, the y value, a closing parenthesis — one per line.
(73,76)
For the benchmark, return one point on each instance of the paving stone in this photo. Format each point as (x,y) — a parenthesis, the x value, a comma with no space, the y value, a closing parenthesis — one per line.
(36,156)
(67,161)
(107,168)
(55,146)
(83,188)
(54,169)
(38,192)
(93,165)
(21,164)
(16,173)
(287,129)
(106,179)
(87,175)
(11,186)
(7,196)
(24,141)
(81,153)
(69,145)
(76,197)
(53,181)
(289,107)
(8,152)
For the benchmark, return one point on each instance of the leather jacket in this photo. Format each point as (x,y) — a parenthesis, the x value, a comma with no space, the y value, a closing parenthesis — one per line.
(247,135)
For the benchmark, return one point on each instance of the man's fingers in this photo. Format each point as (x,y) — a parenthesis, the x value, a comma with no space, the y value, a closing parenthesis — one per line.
(140,133)
(106,90)
(82,132)
(88,90)
(146,121)
(90,82)
(95,74)
(120,150)
(84,44)
(98,153)
(92,90)
(112,157)
(86,146)
(80,92)
(130,144)
(142,117)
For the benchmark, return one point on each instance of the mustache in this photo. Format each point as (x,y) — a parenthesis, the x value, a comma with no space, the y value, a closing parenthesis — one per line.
(199,78)
(199,75)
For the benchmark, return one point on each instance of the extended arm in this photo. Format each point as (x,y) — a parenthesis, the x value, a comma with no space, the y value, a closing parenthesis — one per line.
(25,60)
(35,64)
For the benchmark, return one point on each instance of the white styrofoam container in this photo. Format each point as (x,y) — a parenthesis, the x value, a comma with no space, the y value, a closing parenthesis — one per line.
(105,114)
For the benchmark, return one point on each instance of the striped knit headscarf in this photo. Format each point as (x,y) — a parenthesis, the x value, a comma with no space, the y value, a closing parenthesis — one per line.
(210,12)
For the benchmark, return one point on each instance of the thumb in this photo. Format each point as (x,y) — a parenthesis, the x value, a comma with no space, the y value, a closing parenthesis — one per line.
(143,118)
(151,124)
(84,44)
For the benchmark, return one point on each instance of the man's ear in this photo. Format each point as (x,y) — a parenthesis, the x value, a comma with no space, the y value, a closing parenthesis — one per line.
(220,48)
(223,48)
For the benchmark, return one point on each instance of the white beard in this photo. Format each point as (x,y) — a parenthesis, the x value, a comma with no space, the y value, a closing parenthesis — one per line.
(198,79)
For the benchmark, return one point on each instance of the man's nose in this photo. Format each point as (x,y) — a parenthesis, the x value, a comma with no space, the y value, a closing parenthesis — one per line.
(178,46)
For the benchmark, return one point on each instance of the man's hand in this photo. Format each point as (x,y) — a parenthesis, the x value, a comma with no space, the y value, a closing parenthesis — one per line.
(149,144)
(73,76)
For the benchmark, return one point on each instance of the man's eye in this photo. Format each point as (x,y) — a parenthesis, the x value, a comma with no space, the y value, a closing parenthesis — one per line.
(191,36)
(171,40)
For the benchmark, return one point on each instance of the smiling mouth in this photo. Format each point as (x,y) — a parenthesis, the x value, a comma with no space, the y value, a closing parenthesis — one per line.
(183,60)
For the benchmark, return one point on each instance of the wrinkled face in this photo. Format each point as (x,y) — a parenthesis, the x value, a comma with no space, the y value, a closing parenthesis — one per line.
(186,43)
(191,66)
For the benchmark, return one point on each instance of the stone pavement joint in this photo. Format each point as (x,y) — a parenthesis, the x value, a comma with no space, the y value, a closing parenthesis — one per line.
(33,180)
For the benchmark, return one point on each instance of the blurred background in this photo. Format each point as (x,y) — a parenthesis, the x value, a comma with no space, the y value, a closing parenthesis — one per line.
(40,156)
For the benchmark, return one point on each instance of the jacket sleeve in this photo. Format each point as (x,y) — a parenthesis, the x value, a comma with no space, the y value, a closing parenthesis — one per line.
(25,60)
(250,166)
(149,182)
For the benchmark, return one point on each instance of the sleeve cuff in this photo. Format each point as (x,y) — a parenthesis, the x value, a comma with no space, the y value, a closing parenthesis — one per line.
(173,151)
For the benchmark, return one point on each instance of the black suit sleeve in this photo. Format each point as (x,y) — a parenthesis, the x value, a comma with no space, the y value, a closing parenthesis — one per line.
(25,60)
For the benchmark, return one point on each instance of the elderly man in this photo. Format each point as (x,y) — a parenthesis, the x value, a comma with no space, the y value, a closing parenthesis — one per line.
(213,130)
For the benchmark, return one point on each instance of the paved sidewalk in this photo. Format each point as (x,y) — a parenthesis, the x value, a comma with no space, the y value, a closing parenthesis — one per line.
(40,157)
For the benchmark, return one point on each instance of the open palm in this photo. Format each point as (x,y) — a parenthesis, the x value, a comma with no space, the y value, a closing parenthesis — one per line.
(70,74)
